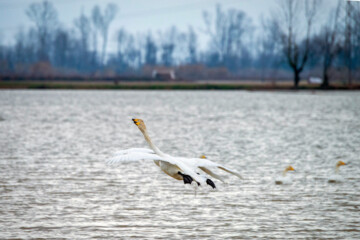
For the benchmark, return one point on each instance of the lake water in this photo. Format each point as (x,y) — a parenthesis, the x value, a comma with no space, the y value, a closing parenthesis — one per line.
(54,182)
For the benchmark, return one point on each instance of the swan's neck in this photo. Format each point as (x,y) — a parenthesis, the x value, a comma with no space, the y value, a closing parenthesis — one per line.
(284,172)
(337,169)
(151,144)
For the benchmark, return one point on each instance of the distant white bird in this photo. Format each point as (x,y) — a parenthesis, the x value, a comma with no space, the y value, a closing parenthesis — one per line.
(336,177)
(284,179)
(180,168)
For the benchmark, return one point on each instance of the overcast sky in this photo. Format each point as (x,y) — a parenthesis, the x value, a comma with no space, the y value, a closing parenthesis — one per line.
(135,15)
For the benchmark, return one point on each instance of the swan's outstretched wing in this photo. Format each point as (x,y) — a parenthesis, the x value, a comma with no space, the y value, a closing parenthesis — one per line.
(204,164)
(132,150)
(188,169)
(134,156)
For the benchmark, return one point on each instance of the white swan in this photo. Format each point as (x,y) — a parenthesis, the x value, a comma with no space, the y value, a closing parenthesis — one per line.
(180,168)
(284,179)
(336,176)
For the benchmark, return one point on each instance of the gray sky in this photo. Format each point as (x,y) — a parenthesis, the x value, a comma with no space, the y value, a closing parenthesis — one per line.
(136,16)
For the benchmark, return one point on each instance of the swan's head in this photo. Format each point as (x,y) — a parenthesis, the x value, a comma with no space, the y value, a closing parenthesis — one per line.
(139,123)
(289,168)
(203,156)
(340,163)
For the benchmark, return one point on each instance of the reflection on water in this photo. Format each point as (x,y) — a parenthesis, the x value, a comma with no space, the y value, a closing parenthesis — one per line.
(54,182)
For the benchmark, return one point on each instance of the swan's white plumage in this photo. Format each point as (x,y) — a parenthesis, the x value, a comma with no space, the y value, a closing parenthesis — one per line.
(188,165)
(134,150)
(201,162)
(284,179)
(133,155)
(176,167)
(336,177)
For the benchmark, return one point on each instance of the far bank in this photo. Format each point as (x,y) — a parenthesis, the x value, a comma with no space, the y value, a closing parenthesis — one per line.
(186,85)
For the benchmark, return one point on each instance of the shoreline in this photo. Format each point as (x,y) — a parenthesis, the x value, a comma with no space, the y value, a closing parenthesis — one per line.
(152,85)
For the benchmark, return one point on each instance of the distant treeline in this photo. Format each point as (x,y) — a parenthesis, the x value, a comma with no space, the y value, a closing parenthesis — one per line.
(72,78)
(294,40)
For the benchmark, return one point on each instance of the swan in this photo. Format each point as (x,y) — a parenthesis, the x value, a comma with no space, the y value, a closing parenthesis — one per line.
(284,179)
(336,176)
(180,168)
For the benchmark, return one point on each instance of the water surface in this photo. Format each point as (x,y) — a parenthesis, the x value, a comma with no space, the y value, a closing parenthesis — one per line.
(54,182)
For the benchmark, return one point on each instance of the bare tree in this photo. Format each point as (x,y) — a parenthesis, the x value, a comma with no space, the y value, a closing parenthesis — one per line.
(150,51)
(356,35)
(44,15)
(351,32)
(227,31)
(83,26)
(133,53)
(61,48)
(295,44)
(121,38)
(348,42)
(128,55)
(326,43)
(192,46)
(20,45)
(168,41)
(268,48)
(102,22)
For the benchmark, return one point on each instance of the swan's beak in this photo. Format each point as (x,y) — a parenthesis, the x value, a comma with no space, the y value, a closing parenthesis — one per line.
(291,168)
(342,163)
(136,121)
(203,156)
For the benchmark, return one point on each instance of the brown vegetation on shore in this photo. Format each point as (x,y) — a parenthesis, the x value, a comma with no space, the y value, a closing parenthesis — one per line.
(180,85)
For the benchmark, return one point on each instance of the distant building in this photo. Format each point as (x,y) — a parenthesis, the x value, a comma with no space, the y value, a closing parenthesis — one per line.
(315,80)
(163,74)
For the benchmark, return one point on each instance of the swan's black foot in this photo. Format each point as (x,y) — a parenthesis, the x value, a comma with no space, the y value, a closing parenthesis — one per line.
(211,183)
(187,178)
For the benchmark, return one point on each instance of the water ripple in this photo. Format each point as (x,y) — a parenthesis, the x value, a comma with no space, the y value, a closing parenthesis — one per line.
(54,182)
